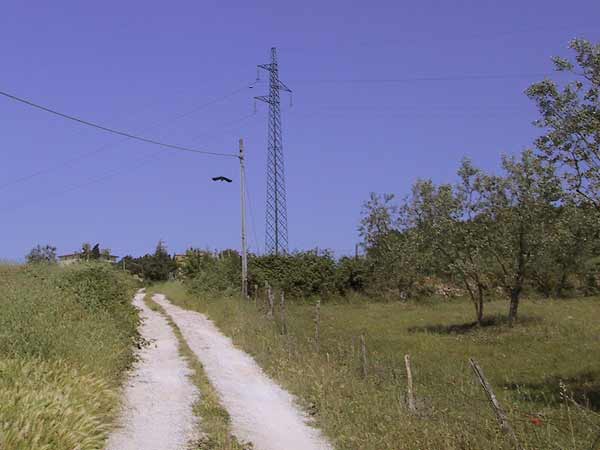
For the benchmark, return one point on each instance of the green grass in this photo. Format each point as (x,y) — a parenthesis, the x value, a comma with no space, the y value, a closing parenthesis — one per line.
(554,342)
(66,339)
(215,425)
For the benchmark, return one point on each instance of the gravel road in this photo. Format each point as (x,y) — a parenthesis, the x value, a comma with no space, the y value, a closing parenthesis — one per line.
(157,411)
(261,412)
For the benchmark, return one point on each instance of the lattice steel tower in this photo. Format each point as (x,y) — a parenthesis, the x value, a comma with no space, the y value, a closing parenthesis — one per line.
(276,233)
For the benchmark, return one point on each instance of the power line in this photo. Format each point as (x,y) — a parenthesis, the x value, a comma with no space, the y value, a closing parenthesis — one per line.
(115,144)
(468,77)
(75,187)
(113,131)
(110,175)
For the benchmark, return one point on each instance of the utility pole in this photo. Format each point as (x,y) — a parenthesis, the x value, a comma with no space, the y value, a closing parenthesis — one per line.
(243,206)
(276,233)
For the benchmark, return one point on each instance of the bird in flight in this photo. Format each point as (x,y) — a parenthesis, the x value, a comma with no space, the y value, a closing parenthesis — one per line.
(221,178)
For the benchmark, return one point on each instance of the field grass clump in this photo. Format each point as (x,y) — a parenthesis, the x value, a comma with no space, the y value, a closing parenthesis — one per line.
(542,369)
(66,339)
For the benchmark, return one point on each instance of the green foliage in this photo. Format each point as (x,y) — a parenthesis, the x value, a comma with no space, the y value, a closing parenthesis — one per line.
(352,275)
(300,274)
(205,272)
(510,231)
(159,266)
(66,339)
(42,254)
(89,253)
(397,263)
(570,118)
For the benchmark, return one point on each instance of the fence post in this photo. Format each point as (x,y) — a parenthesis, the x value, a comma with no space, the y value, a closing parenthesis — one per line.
(363,351)
(412,407)
(498,411)
(318,324)
(271,298)
(266,302)
(282,312)
(256,295)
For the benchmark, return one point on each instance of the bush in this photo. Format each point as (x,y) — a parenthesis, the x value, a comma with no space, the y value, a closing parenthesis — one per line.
(301,274)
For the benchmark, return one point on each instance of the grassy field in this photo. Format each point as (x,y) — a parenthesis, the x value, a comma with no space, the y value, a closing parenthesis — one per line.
(545,371)
(66,337)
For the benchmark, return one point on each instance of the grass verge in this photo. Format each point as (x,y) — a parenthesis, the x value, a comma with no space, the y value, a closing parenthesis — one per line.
(214,419)
(66,339)
(542,369)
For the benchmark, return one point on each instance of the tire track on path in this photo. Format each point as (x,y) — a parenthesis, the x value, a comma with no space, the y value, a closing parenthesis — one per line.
(261,411)
(159,396)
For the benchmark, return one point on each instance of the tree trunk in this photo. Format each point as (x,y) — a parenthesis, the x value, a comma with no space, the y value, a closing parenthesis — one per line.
(562,284)
(515,294)
(479,306)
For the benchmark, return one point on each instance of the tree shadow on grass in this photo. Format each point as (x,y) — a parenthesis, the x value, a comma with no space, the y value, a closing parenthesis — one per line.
(583,387)
(493,322)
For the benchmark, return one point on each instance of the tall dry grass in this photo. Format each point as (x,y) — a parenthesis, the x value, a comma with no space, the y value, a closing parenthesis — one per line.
(66,338)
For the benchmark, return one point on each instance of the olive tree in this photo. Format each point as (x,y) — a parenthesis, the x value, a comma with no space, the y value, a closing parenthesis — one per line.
(570,117)
(392,248)
(42,254)
(517,211)
(446,218)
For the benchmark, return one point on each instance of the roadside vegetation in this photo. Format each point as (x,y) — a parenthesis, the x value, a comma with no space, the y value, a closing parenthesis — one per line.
(67,336)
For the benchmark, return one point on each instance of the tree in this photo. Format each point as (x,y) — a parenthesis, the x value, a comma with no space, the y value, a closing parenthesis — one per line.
(517,210)
(95,253)
(391,246)
(42,254)
(446,218)
(160,265)
(86,251)
(571,119)
(567,247)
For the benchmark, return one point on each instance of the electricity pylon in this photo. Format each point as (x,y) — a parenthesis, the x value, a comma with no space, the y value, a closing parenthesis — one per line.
(276,233)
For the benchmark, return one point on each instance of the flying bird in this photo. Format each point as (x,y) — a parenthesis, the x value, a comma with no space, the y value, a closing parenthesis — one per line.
(221,178)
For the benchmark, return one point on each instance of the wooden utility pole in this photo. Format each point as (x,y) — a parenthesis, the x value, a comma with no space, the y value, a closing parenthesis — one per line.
(243,205)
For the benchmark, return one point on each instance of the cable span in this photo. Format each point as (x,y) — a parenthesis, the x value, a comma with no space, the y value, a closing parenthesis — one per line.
(112,130)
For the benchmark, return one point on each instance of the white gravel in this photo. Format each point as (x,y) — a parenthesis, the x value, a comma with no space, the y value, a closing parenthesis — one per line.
(261,412)
(157,412)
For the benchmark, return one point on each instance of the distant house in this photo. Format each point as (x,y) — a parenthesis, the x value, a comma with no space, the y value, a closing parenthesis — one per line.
(180,259)
(65,260)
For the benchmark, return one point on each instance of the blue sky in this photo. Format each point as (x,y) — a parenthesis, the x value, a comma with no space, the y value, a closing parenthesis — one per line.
(382,96)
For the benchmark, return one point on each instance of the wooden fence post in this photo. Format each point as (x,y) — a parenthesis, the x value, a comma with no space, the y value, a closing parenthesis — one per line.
(363,351)
(498,411)
(256,295)
(318,325)
(271,297)
(412,407)
(282,312)
(266,302)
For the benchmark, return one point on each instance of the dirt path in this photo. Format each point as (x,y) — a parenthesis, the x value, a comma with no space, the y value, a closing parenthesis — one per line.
(261,411)
(157,412)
